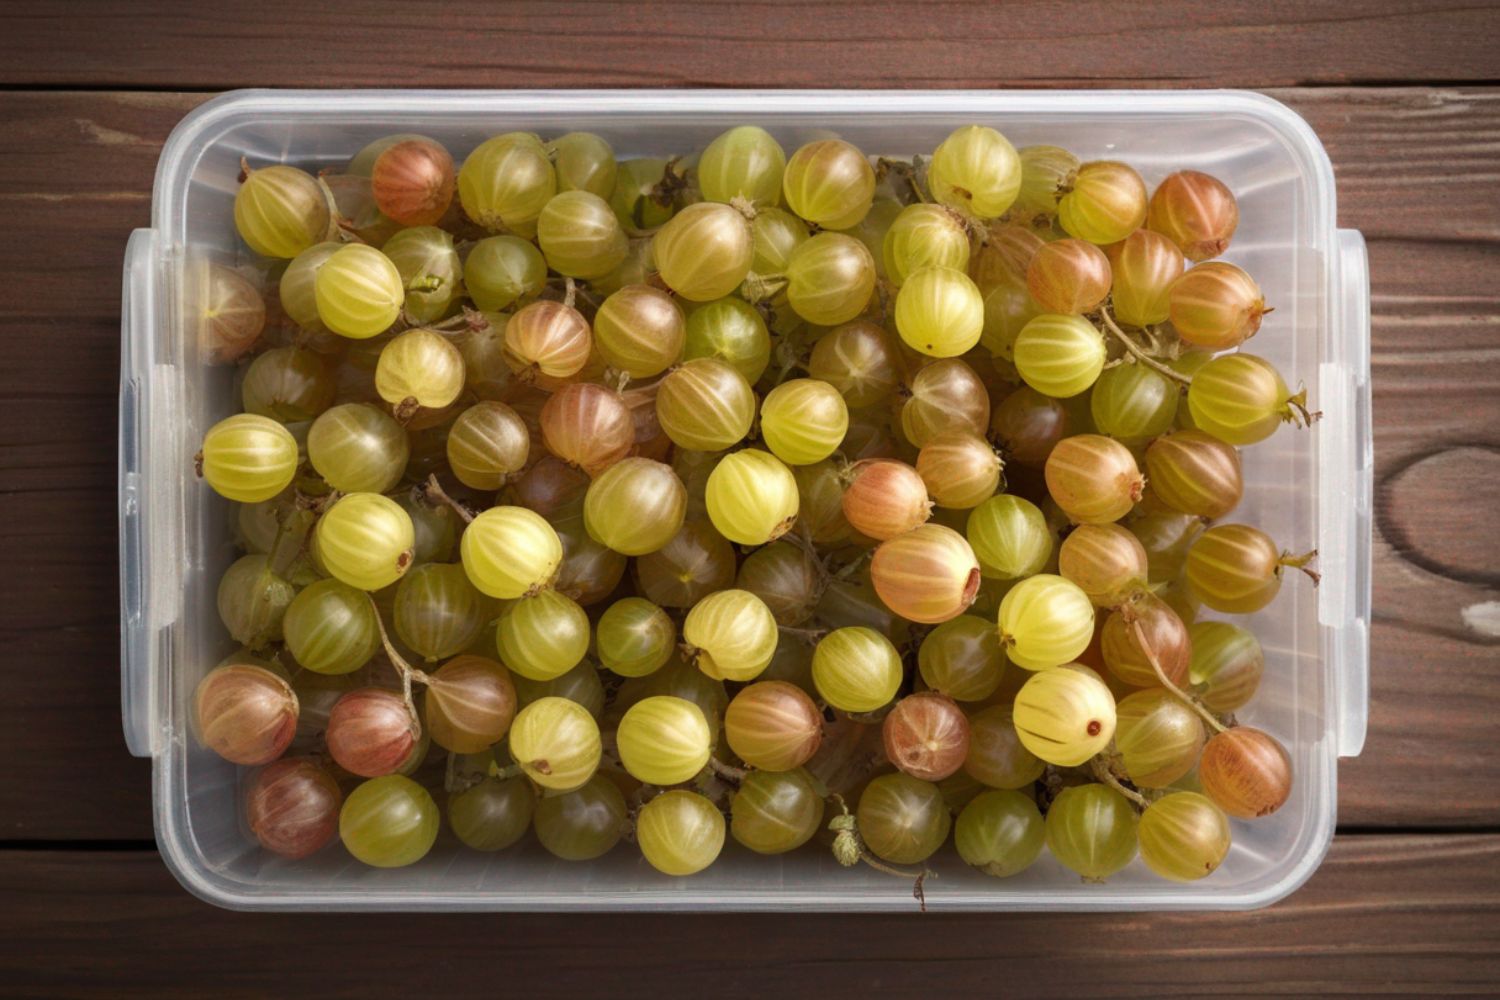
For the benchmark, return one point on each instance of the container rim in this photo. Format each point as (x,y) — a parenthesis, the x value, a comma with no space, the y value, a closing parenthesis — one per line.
(203,124)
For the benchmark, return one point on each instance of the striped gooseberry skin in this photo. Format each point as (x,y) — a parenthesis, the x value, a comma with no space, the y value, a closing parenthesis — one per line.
(1195,211)
(506,182)
(745,162)
(1093,478)
(359,292)
(1045,621)
(1105,204)
(975,170)
(1183,836)
(830,278)
(508,551)
(487,444)
(704,251)
(1009,536)
(1106,561)
(664,740)
(705,405)
(1004,256)
(580,235)
(1195,473)
(962,659)
(1069,277)
(752,497)
(419,368)
(680,832)
(547,338)
(292,807)
(1027,425)
(944,395)
(358,448)
(245,714)
(860,361)
(1058,355)
(903,819)
(926,735)
(231,311)
(1091,830)
(927,575)
(1216,306)
(371,732)
(366,540)
(1044,172)
(635,506)
(997,758)
(732,635)
(471,702)
(885,498)
(1144,266)
(413,182)
(1065,715)
(1133,403)
(640,330)
(856,669)
(773,725)
(960,468)
(829,182)
(1239,399)
(331,628)
(1246,772)
(924,235)
(1158,736)
(1234,568)
(556,742)
(695,563)
(248,458)
(280,211)
(1166,639)
(588,425)
(803,420)
(776,811)
(939,312)
(438,612)
(1227,664)
(542,636)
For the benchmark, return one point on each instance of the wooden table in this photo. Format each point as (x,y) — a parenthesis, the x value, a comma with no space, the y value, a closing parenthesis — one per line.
(1402,94)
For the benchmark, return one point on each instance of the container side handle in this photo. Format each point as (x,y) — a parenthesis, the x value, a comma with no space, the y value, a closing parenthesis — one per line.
(137,307)
(1346,471)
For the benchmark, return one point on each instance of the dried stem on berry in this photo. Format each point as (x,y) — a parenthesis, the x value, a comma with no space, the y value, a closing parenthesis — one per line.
(1139,354)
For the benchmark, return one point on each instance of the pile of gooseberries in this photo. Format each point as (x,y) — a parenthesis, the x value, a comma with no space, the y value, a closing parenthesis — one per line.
(745,496)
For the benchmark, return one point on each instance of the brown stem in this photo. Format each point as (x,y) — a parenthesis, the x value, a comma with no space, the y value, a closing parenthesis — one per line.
(727,771)
(811,636)
(406,670)
(1301,562)
(1140,355)
(434,494)
(1103,773)
(1166,682)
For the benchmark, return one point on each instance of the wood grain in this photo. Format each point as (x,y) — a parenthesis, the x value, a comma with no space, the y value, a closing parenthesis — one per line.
(773,43)
(76,179)
(1393,916)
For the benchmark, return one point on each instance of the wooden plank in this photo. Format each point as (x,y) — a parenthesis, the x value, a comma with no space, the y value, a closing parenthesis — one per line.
(1385,915)
(284,43)
(76,179)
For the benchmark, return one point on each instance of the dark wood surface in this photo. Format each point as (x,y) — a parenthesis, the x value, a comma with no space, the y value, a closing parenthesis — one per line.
(1403,96)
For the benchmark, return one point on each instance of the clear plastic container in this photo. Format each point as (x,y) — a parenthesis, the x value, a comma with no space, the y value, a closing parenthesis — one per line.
(1306,487)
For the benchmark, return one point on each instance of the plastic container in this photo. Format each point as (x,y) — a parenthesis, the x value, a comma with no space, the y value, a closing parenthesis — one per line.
(1307,487)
